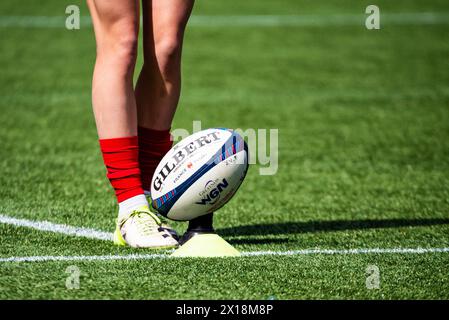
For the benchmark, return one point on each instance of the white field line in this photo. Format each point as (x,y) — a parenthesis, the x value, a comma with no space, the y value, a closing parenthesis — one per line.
(84,258)
(347,251)
(57,228)
(244,254)
(101,235)
(416,18)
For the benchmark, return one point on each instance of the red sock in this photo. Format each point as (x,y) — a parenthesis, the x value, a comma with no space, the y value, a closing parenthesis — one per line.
(121,157)
(153,145)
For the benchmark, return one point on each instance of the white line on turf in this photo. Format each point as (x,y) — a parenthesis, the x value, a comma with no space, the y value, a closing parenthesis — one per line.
(84,258)
(244,254)
(347,251)
(57,228)
(316,20)
(412,18)
(101,235)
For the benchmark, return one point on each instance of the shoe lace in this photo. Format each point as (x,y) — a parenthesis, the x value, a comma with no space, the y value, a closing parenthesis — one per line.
(146,222)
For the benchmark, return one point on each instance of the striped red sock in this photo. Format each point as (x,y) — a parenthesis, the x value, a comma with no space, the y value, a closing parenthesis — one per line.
(153,145)
(121,157)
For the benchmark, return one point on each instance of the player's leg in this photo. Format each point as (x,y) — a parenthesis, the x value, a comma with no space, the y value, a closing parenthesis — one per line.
(159,84)
(116,25)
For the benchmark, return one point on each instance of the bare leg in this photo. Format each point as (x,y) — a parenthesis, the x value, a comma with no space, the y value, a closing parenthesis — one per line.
(116,25)
(159,84)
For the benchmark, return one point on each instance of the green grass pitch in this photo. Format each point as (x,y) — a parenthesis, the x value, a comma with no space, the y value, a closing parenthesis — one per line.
(363,119)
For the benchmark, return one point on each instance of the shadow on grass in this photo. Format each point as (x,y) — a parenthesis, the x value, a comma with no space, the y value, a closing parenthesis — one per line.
(323,226)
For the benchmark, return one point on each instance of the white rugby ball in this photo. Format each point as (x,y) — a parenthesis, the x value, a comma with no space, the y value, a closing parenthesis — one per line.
(199,174)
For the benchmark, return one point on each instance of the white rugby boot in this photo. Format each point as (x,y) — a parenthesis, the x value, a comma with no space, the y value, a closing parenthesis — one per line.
(141,228)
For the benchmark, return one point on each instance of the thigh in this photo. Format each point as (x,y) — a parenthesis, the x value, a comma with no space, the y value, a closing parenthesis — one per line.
(114,18)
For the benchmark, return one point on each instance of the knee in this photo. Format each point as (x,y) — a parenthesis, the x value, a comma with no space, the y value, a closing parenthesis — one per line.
(125,47)
(168,54)
(125,52)
(120,48)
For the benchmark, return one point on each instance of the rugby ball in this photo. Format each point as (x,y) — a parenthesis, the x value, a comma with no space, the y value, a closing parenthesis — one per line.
(199,174)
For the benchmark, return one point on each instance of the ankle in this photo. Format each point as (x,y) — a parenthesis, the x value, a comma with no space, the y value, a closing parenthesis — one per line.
(131,204)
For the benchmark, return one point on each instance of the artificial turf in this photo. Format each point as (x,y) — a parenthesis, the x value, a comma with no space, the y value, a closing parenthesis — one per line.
(363,120)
